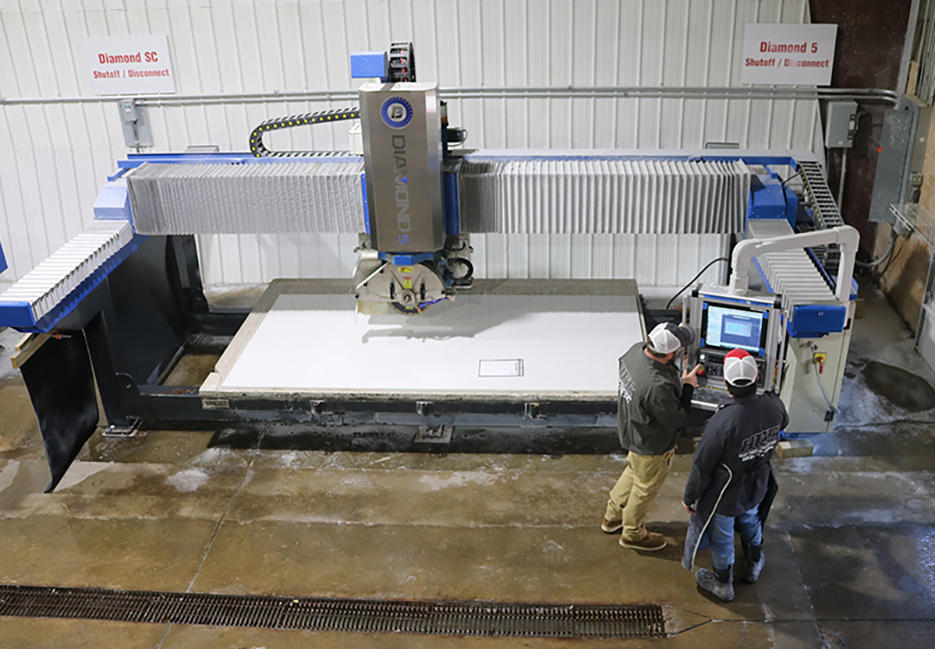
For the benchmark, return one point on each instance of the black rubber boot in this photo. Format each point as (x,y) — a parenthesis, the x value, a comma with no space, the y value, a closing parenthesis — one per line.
(755,562)
(719,583)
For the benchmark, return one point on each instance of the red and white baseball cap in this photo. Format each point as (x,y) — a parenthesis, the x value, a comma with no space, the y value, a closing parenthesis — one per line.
(740,368)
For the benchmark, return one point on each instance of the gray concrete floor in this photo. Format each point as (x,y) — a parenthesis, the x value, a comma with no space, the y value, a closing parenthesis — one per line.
(850,544)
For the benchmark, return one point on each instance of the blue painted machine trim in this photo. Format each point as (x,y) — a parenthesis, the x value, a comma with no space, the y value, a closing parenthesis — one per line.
(452,203)
(765,160)
(363,189)
(3,265)
(19,315)
(406,260)
(816,320)
(136,159)
(113,204)
(792,207)
(768,199)
(367,65)
(117,175)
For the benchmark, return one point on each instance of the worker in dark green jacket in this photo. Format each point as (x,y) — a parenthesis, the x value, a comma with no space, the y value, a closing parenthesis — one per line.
(652,406)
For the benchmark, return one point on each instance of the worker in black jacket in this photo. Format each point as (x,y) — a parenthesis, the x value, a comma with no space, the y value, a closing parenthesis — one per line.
(731,478)
(652,405)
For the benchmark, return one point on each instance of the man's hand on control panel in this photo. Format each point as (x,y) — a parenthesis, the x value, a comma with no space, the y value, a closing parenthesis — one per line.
(691,377)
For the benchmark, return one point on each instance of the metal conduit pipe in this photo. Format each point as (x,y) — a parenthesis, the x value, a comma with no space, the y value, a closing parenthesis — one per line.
(845,236)
(672,92)
(182,100)
(843,175)
(883,257)
(480,92)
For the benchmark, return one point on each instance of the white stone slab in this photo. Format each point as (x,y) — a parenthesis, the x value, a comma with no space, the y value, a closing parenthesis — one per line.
(318,343)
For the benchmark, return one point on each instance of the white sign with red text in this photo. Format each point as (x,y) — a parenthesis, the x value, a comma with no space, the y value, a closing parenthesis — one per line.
(788,54)
(130,65)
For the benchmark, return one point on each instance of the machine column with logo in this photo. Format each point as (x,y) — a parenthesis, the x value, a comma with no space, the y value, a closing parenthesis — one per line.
(412,254)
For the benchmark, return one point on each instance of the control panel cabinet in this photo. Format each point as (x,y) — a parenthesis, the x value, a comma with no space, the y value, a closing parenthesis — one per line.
(723,322)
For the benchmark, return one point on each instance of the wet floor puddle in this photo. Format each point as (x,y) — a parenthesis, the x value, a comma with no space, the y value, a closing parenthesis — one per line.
(903,389)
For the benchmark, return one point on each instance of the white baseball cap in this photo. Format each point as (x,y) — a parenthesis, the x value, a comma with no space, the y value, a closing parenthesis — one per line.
(668,337)
(740,368)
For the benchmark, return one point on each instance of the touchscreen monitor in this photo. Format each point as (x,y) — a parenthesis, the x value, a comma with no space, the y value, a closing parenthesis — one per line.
(728,328)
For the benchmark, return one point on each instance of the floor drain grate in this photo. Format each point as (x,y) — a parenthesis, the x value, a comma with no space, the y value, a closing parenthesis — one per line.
(494,619)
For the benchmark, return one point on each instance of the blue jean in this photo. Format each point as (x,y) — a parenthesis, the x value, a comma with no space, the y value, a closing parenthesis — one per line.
(720,536)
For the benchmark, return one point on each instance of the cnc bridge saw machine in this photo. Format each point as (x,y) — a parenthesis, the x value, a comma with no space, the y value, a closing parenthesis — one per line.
(413,337)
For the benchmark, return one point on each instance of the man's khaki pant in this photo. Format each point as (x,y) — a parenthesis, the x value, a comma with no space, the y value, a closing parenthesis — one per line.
(636,490)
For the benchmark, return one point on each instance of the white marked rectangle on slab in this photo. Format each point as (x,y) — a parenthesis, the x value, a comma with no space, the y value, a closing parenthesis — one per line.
(510,367)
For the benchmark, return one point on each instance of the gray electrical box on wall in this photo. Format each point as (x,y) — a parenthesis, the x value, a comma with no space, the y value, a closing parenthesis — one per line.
(840,124)
(900,138)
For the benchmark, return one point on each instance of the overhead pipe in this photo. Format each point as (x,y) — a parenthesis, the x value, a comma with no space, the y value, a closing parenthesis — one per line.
(845,236)
(480,92)
(672,92)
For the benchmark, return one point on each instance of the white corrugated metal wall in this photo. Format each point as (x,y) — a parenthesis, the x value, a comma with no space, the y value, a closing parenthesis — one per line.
(57,155)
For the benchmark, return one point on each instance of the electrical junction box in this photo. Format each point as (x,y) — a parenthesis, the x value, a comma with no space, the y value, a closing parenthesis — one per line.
(135,124)
(840,124)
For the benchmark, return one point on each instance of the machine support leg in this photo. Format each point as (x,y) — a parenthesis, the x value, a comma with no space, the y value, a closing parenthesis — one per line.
(61,387)
(113,387)
(188,273)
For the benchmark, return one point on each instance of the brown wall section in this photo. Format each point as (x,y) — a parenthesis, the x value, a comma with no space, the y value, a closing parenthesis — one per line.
(869,48)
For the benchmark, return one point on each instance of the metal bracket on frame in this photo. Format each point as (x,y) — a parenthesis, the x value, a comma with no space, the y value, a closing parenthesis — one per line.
(430,435)
(123,431)
(531,410)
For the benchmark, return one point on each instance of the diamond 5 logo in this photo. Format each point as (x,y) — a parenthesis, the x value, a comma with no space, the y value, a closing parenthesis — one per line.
(396,112)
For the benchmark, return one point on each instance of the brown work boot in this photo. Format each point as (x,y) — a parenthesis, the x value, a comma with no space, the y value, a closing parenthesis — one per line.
(611,527)
(650,542)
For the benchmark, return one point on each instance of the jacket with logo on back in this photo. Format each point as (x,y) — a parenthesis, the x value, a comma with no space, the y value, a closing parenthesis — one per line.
(652,403)
(731,467)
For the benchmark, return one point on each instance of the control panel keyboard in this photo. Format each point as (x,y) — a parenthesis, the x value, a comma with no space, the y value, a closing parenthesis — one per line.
(708,398)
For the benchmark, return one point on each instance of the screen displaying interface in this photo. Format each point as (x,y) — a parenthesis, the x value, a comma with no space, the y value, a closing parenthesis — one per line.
(734,328)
